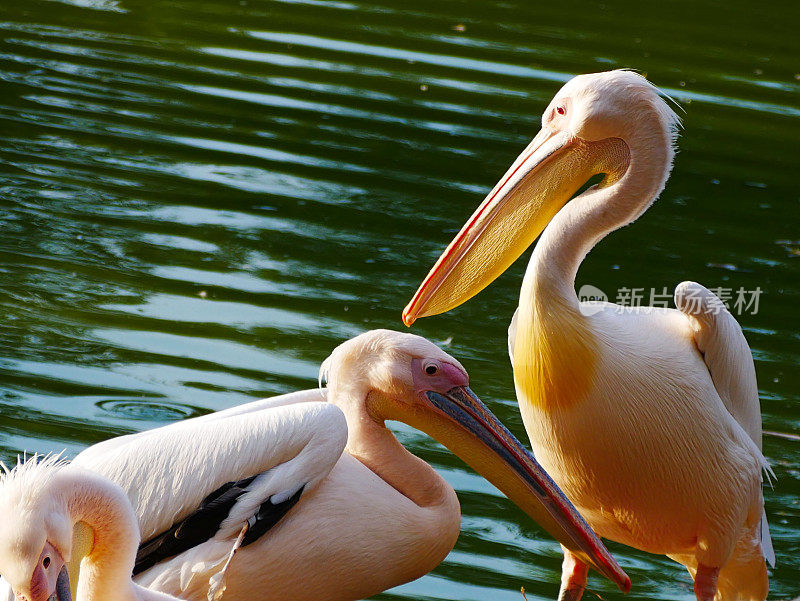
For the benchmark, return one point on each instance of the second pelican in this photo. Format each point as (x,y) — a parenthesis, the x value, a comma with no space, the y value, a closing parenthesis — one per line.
(648,418)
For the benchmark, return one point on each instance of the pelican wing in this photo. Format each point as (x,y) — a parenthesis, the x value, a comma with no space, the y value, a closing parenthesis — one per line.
(210,475)
(727,355)
(725,352)
(301,396)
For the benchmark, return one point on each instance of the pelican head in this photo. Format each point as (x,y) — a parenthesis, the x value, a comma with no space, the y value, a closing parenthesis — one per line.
(35,535)
(613,124)
(383,374)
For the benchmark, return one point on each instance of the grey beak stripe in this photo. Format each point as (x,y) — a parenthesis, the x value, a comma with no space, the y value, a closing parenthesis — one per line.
(63,592)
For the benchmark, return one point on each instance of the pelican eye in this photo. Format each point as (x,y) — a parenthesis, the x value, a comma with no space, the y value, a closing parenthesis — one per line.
(431,369)
(46,562)
(561,110)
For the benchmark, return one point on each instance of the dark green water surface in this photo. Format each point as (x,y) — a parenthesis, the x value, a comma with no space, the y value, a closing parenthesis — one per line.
(200,199)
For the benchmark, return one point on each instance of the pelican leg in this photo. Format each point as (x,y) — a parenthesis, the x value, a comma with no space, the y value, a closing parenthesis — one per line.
(573,577)
(705,582)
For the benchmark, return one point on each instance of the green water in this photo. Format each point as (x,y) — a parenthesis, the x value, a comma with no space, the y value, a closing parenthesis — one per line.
(200,199)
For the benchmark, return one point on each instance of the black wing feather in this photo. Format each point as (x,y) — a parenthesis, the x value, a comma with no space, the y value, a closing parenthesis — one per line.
(203,523)
(268,515)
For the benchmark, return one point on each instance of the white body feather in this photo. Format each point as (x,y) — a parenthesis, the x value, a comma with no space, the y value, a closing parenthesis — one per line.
(169,470)
(655,457)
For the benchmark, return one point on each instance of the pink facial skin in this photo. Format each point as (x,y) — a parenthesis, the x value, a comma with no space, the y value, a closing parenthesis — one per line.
(45,576)
(445,377)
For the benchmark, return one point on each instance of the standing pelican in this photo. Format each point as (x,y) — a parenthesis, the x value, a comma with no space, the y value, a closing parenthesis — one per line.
(260,502)
(648,419)
(54,515)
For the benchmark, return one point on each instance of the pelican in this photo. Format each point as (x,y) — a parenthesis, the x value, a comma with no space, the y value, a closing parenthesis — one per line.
(55,513)
(260,501)
(647,418)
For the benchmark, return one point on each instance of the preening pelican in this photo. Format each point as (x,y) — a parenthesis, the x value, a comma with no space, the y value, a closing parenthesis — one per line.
(260,502)
(54,515)
(647,418)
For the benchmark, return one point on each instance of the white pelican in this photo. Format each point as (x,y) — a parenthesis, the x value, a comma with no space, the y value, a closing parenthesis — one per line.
(365,520)
(55,513)
(648,419)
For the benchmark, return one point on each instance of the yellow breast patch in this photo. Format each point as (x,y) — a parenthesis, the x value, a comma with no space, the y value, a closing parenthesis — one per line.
(555,356)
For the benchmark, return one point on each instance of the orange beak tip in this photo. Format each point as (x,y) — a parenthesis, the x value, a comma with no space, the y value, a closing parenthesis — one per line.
(408,318)
(622,580)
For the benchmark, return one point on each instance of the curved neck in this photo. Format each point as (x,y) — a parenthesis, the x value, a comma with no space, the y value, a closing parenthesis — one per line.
(374,445)
(106,570)
(589,217)
(555,351)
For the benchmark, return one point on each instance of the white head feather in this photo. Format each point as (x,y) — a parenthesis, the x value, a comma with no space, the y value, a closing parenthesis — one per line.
(29,493)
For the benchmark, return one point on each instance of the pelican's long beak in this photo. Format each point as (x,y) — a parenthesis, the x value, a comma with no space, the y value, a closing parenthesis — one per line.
(460,421)
(542,179)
